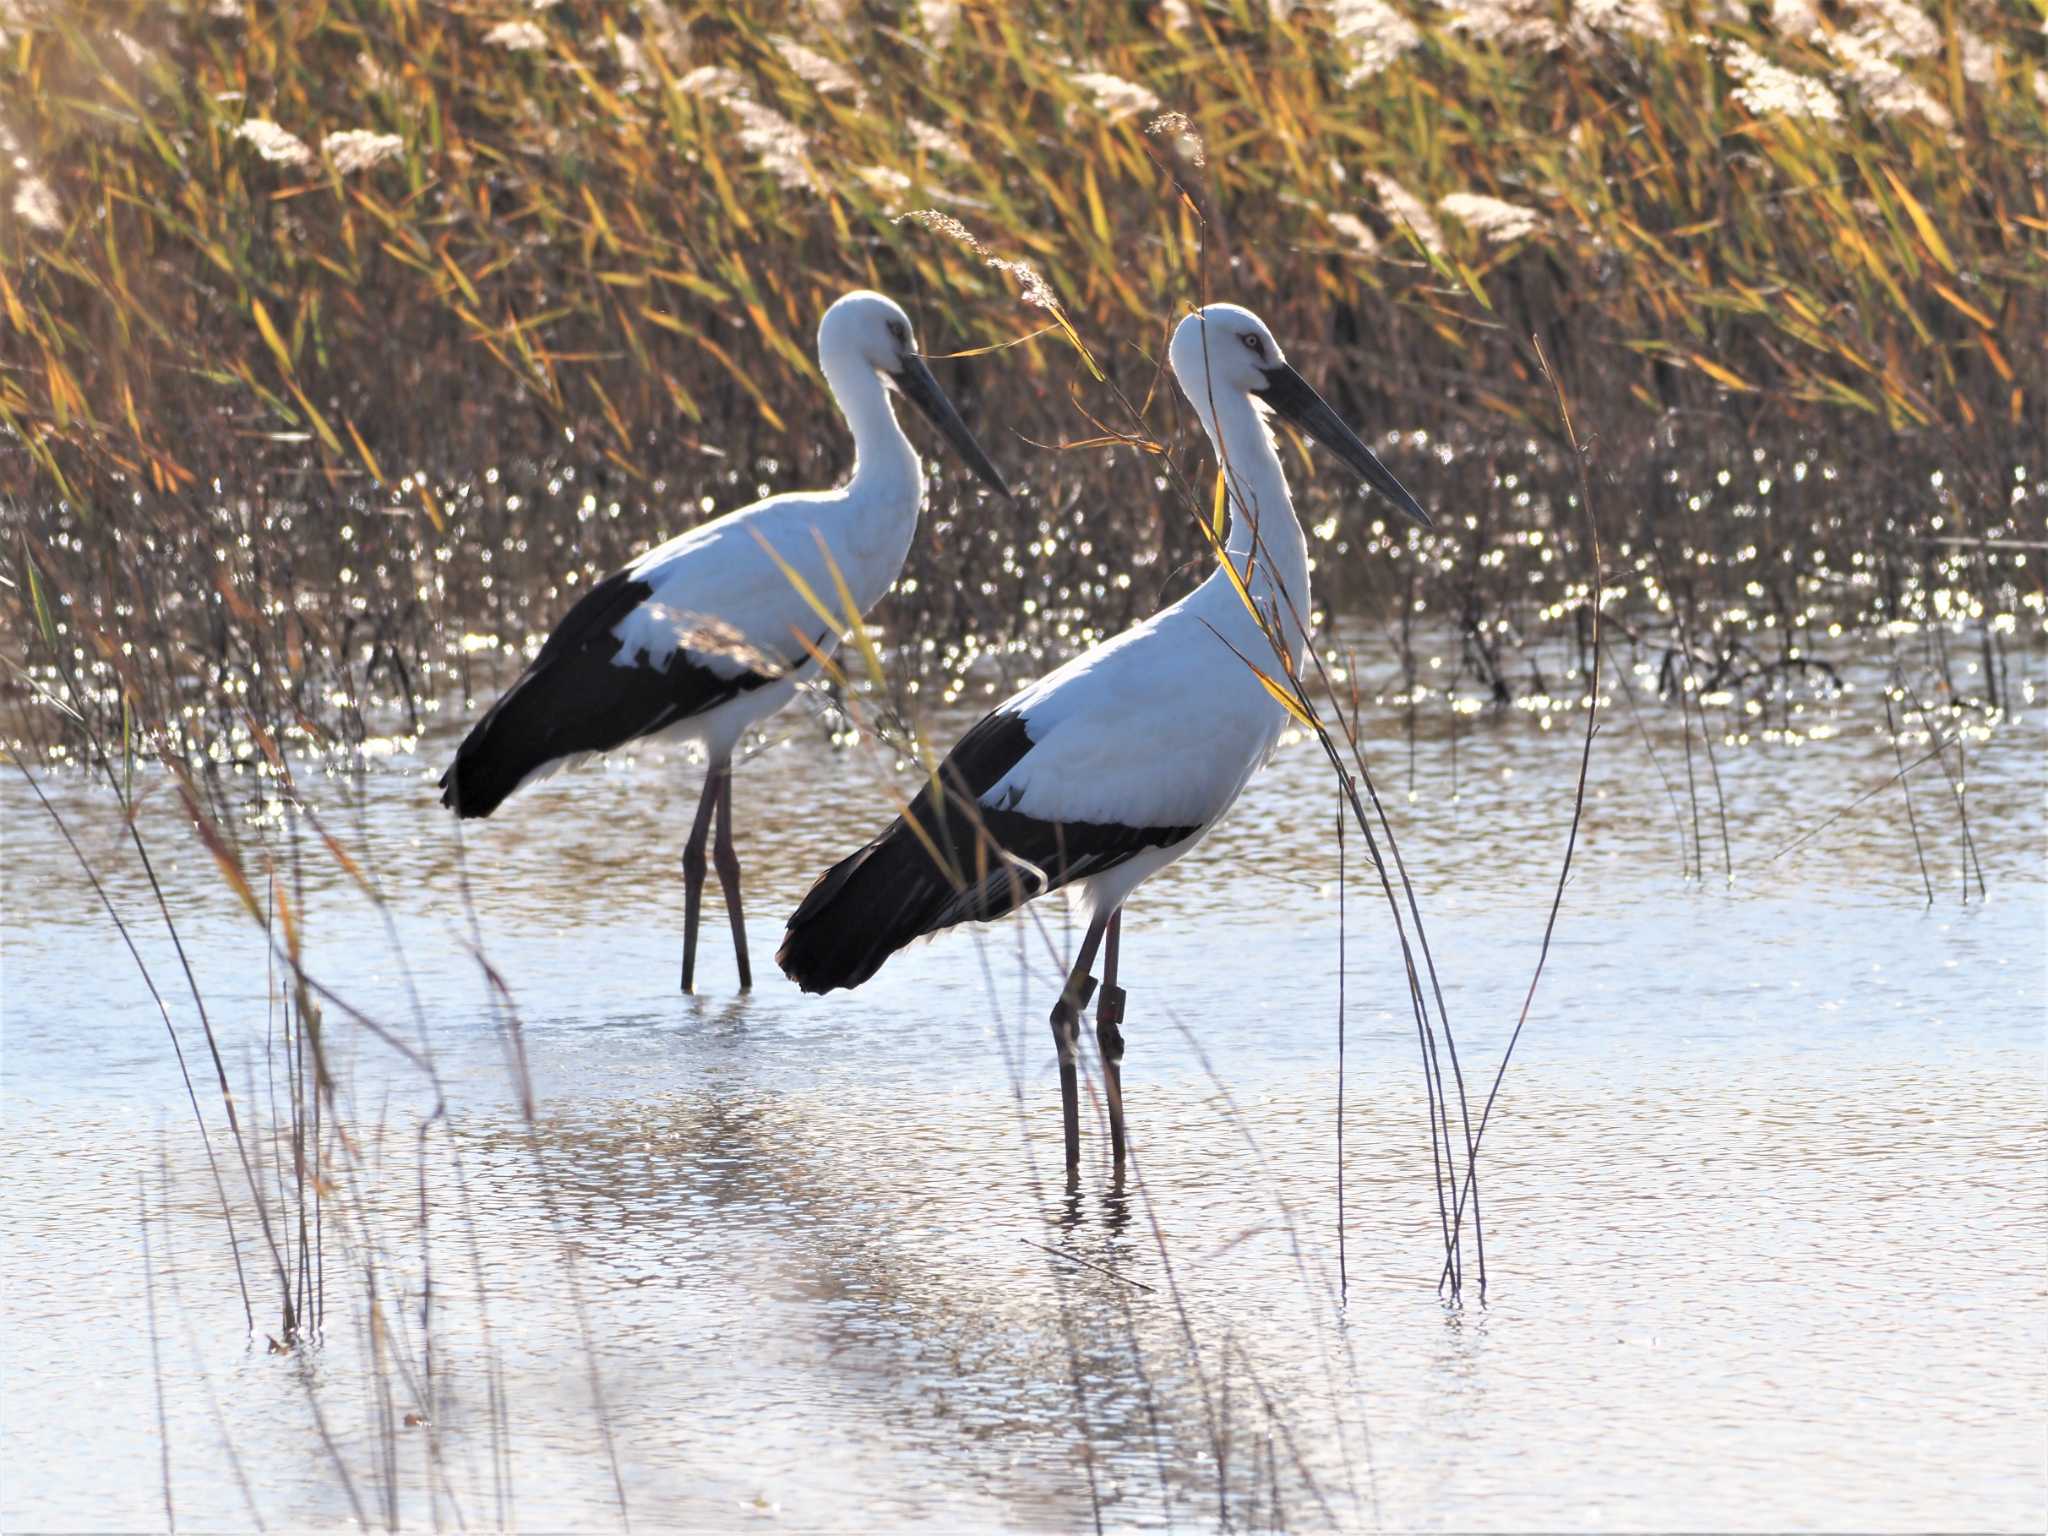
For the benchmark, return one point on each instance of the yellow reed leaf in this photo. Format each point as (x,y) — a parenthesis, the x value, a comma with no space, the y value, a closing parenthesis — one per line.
(15,314)
(363,450)
(270,335)
(802,588)
(1929,235)
(319,422)
(1287,700)
(855,619)
(1098,216)
(1714,370)
(994,346)
(461,278)
(1963,304)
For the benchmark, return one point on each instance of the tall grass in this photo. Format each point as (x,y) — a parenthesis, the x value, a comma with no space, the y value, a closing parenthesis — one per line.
(345,1197)
(380,324)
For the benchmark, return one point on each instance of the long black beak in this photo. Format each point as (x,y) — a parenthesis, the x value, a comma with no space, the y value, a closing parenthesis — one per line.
(916,381)
(1292,398)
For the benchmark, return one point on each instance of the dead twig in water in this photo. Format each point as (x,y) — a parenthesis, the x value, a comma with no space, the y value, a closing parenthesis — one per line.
(1869,794)
(1075,1258)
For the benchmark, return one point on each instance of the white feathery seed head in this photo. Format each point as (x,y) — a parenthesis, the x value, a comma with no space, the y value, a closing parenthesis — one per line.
(944,224)
(1404,207)
(36,205)
(278,145)
(1767,90)
(1373,34)
(817,71)
(1354,232)
(933,140)
(1114,96)
(1036,291)
(517,37)
(358,149)
(938,18)
(1625,18)
(1506,23)
(1885,88)
(1795,20)
(1492,220)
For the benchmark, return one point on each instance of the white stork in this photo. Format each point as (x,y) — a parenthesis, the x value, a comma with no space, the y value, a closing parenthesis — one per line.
(1110,768)
(705,635)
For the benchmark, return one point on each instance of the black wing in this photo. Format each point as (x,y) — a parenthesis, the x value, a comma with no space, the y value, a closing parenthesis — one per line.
(949,860)
(576,698)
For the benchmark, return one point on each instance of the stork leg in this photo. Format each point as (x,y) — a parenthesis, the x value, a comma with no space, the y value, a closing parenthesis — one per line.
(693,868)
(728,864)
(1109,1038)
(1066,1020)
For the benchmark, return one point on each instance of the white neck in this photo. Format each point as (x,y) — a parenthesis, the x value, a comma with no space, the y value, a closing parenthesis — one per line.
(886,469)
(1264,541)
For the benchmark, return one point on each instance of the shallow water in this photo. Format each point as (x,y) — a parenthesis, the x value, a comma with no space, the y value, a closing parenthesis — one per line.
(1765,1195)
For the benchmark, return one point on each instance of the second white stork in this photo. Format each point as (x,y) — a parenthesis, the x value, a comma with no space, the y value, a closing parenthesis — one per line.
(705,635)
(1110,768)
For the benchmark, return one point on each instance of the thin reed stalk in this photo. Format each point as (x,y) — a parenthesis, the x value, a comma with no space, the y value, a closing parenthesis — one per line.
(156,1359)
(1599,586)
(1891,727)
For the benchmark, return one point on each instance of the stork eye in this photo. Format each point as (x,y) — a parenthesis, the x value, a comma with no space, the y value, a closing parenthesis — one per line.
(900,331)
(1258,347)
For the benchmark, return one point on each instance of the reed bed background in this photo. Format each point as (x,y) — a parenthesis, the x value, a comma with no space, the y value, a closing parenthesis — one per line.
(344,340)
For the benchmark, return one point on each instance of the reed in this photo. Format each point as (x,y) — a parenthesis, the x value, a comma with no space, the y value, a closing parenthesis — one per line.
(343,341)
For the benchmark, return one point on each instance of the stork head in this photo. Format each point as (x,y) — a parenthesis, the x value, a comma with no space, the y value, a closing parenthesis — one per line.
(1222,350)
(868,329)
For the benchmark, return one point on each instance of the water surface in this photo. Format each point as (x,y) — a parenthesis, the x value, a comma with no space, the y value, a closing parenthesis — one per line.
(1764,1195)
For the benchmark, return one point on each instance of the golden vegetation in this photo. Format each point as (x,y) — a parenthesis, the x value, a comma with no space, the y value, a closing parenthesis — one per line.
(349,253)
(234,221)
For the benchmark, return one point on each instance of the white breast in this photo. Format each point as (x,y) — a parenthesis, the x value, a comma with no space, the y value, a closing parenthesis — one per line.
(1160,727)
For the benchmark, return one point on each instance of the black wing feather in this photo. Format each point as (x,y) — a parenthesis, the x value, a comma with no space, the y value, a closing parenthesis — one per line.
(575,698)
(990,861)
